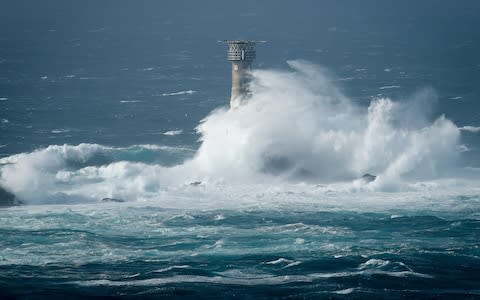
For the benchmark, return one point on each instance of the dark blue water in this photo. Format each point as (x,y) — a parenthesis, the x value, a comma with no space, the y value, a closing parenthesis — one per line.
(150,251)
(99,105)
(60,63)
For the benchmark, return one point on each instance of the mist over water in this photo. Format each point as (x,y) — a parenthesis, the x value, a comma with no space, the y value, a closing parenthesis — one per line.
(297,128)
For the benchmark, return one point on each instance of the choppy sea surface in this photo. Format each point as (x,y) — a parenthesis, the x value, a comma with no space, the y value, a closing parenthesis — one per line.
(135,180)
(304,251)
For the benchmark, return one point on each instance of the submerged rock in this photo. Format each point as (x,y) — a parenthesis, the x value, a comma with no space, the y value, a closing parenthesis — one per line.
(112,200)
(368,177)
(7,198)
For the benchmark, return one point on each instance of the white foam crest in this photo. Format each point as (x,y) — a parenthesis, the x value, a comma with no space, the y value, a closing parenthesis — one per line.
(47,175)
(158,147)
(129,101)
(298,129)
(389,87)
(278,261)
(189,92)
(29,175)
(56,131)
(271,280)
(374,263)
(292,264)
(171,268)
(298,126)
(253,280)
(470,128)
(173,132)
(345,291)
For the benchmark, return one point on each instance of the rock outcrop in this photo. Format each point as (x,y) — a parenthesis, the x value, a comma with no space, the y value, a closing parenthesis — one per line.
(7,198)
(368,177)
(113,200)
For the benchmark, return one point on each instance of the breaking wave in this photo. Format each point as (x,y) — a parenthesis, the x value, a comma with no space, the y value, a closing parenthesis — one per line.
(470,128)
(299,126)
(297,129)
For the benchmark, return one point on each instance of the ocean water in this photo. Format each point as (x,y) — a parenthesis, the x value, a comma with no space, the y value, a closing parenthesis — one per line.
(133,179)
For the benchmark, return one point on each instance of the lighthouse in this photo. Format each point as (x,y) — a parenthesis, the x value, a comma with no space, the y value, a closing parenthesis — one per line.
(241,54)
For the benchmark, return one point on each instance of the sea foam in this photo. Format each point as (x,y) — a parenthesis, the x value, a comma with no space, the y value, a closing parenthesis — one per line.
(297,130)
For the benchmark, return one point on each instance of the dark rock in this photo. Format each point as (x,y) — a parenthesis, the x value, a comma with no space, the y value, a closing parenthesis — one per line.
(276,164)
(112,200)
(195,183)
(369,177)
(7,198)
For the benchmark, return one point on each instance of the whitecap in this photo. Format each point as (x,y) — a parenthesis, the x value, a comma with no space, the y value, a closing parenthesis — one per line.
(219,243)
(159,147)
(219,217)
(245,279)
(389,87)
(56,131)
(173,132)
(373,263)
(292,264)
(278,261)
(345,291)
(189,92)
(129,101)
(171,268)
(132,276)
(470,128)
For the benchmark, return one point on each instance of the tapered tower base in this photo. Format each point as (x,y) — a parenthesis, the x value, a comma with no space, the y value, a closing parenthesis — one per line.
(240,80)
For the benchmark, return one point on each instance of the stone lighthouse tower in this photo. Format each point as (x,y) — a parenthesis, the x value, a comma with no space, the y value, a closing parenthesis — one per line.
(241,54)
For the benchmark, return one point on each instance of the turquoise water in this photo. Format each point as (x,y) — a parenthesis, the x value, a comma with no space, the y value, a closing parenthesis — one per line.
(306,251)
(136,181)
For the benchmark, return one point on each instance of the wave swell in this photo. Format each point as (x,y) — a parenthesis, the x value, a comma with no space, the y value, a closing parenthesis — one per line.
(298,127)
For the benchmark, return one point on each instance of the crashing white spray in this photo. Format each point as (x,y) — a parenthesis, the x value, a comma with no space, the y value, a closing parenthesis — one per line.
(297,127)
